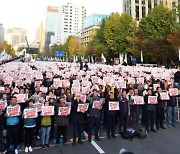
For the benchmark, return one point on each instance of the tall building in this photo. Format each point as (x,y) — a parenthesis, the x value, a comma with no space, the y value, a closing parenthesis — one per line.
(91,25)
(1,33)
(41,37)
(15,35)
(70,22)
(49,25)
(140,8)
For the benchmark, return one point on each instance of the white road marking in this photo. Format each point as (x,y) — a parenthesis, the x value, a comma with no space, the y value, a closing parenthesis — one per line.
(98,148)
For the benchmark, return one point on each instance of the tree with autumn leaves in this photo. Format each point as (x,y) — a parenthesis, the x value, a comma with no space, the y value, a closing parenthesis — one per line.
(8,48)
(160,36)
(157,36)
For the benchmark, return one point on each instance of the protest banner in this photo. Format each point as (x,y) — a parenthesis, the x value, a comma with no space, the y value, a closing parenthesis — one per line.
(138,100)
(83,98)
(57,82)
(38,106)
(152,100)
(64,111)
(114,106)
(164,96)
(21,98)
(2,88)
(13,111)
(30,113)
(47,110)
(173,92)
(44,90)
(140,80)
(82,107)
(3,105)
(65,83)
(155,86)
(97,104)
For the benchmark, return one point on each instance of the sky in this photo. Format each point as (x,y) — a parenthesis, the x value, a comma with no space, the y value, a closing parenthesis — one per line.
(29,13)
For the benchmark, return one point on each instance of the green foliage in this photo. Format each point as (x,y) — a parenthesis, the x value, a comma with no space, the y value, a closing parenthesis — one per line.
(159,23)
(8,48)
(119,33)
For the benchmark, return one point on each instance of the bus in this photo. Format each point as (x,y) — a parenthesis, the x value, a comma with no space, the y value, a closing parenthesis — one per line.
(22,49)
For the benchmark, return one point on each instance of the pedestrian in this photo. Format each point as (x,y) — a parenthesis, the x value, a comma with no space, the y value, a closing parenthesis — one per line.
(124,112)
(111,116)
(61,121)
(171,110)
(45,128)
(12,126)
(150,113)
(94,117)
(77,120)
(29,127)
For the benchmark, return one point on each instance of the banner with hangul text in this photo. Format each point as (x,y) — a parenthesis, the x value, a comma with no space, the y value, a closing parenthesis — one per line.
(82,107)
(152,100)
(64,111)
(113,106)
(13,111)
(30,113)
(47,110)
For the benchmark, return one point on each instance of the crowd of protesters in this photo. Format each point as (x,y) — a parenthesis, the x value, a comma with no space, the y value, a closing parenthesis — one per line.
(20,130)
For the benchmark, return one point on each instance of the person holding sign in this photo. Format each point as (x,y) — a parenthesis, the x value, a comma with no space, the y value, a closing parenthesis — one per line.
(124,112)
(77,119)
(110,115)
(61,119)
(136,111)
(12,123)
(37,105)
(150,111)
(94,116)
(160,109)
(171,109)
(45,127)
(30,115)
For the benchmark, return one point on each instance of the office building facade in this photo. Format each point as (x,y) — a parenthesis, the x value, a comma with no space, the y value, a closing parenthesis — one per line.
(140,8)
(15,35)
(70,22)
(49,25)
(1,33)
(91,25)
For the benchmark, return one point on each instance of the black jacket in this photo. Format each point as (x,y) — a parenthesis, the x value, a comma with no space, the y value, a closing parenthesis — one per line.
(77,118)
(106,107)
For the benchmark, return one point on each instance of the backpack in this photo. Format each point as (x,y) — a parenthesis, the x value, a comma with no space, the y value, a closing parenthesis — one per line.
(140,134)
(127,134)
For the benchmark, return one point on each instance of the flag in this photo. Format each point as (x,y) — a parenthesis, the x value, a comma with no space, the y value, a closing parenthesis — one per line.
(141,57)
(125,58)
(120,58)
(92,59)
(103,58)
(74,59)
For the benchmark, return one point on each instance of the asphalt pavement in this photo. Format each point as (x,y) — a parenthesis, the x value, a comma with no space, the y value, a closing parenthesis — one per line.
(162,142)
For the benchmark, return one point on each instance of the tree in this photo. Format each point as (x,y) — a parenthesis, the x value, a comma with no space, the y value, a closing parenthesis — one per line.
(56,47)
(96,47)
(73,46)
(119,33)
(159,23)
(7,47)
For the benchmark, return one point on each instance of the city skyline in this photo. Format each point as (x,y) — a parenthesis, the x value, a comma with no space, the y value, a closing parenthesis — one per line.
(28,14)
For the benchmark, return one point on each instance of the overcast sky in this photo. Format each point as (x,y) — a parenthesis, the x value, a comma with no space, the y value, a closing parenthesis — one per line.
(29,13)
